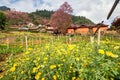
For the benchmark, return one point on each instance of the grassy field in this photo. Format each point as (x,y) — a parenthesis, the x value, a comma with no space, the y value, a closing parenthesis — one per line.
(46,57)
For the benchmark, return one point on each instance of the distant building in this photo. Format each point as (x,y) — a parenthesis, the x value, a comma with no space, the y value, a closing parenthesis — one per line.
(50,29)
(85,29)
(30,25)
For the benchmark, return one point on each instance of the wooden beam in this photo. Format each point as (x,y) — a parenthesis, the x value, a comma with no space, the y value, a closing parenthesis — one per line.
(98,28)
(112,9)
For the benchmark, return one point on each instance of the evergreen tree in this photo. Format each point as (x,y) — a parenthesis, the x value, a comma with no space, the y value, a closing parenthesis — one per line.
(2,21)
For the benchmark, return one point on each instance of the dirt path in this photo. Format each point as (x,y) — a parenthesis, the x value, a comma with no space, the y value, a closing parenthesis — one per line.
(3,58)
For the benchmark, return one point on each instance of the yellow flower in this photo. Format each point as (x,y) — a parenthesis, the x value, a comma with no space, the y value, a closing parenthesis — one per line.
(45,58)
(35,61)
(14,64)
(54,77)
(27,52)
(27,59)
(52,66)
(70,47)
(1,77)
(116,47)
(110,54)
(37,75)
(34,70)
(38,66)
(59,65)
(12,69)
(14,77)
(73,78)
(47,47)
(43,79)
(100,51)
(70,66)
(114,56)
(77,59)
(63,60)
(38,58)
(44,62)
(22,72)
(111,78)
(29,49)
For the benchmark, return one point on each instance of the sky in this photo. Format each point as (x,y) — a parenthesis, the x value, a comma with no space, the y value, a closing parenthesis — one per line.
(95,10)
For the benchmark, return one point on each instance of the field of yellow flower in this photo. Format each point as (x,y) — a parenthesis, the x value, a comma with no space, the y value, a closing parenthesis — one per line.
(58,60)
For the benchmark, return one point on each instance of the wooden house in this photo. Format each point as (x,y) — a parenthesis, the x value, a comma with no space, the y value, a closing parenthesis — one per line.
(102,28)
(82,29)
(85,29)
(49,28)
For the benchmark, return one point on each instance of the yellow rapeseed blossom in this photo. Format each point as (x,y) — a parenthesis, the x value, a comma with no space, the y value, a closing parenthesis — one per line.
(12,69)
(27,52)
(100,51)
(44,62)
(38,58)
(54,77)
(63,60)
(35,61)
(1,77)
(14,77)
(71,47)
(77,59)
(114,56)
(38,66)
(110,54)
(52,66)
(45,58)
(37,75)
(59,65)
(73,78)
(14,64)
(42,78)
(47,47)
(27,59)
(29,49)
(116,47)
(22,72)
(34,70)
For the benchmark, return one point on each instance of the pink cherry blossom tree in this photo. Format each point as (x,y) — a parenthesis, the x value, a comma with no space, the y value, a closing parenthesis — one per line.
(16,17)
(62,18)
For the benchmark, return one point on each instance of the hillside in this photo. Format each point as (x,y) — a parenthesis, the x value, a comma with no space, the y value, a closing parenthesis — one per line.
(4,8)
(47,14)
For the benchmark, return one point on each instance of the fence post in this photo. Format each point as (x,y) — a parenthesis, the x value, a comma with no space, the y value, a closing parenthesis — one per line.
(7,43)
(92,39)
(26,42)
(98,37)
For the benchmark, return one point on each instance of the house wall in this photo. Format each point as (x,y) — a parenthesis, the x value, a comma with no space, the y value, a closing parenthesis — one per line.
(94,29)
(102,29)
(82,30)
(70,31)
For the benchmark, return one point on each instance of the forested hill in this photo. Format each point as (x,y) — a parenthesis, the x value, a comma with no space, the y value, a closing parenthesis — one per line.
(42,13)
(47,14)
(81,20)
(4,8)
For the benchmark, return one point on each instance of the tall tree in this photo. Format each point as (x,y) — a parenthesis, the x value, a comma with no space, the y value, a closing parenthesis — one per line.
(62,18)
(16,17)
(116,23)
(2,21)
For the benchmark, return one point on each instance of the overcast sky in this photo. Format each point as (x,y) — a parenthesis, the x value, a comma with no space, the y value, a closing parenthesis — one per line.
(96,10)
